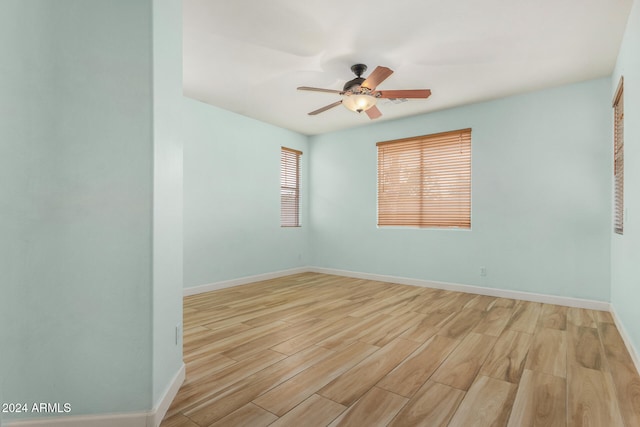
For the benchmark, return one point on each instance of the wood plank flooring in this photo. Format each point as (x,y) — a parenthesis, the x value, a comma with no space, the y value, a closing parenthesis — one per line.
(320,350)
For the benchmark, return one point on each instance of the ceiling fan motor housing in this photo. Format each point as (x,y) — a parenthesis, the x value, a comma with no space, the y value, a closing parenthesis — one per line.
(354,85)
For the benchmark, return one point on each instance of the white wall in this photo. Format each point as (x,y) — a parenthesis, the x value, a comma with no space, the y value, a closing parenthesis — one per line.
(232,197)
(625,249)
(540,205)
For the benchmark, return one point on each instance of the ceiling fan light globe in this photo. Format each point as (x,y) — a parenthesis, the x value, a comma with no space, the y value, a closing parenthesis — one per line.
(359,102)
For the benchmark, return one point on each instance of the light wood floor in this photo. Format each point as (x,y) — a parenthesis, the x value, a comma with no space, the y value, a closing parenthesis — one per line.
(315,350)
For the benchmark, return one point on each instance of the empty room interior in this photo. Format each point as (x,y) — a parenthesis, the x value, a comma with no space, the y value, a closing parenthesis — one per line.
(412,213)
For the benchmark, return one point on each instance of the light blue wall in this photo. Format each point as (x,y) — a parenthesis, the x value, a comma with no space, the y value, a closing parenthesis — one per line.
(540,204)
(77,211)
(232,197)
(167,193)
(625,249)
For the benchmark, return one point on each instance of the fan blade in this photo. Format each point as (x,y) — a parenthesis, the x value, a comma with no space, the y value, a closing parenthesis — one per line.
(317,89)
(325,108)
(379,75)
(373,113)
(415,93)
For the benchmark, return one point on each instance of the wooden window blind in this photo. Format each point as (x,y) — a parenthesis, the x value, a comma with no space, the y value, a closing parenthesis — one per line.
(290,187)
(425,181)
(618,158)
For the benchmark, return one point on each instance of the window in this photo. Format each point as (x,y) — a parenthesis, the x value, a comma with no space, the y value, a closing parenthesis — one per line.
(290,187)
(618,158)
(425,181)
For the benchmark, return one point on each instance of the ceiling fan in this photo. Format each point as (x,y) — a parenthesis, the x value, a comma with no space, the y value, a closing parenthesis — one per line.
(360,94)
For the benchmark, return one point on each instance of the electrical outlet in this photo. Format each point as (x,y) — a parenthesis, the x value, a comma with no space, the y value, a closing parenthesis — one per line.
(483,271)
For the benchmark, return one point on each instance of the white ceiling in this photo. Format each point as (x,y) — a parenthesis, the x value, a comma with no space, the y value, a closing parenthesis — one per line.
(248,56)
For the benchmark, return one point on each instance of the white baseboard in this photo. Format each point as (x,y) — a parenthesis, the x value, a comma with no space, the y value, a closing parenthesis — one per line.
(494,292)
(504,293)
(627,339)
(134,419)
(194,290)
(158,413)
